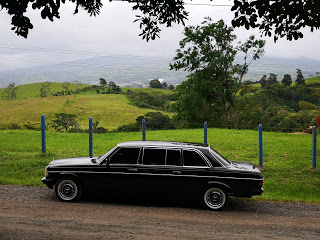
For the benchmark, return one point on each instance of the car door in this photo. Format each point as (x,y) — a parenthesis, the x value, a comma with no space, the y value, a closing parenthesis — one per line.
(120,172)
(162,169)
(194,172)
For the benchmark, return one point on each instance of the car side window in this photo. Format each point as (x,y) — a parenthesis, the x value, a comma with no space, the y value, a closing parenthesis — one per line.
(192,158)
(211,158)
(154,156)
(173,158)
(125,156)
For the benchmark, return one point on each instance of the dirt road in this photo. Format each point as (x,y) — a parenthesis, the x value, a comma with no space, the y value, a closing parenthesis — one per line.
(35,213)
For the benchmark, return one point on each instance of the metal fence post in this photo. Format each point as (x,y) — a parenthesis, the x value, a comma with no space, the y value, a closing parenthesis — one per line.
(314,147)
(143,130)
(90,137)
(205,134)
(43,133)
(260,146)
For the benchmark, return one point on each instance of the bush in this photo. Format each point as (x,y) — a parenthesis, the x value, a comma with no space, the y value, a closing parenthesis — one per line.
(132,127)
(144,100)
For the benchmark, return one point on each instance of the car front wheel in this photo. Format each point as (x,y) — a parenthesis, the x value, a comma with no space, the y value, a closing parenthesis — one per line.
(215,198)
(68,190)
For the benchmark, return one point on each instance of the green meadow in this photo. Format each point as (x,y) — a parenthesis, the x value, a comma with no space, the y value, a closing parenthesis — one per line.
(287,157)
(111,110)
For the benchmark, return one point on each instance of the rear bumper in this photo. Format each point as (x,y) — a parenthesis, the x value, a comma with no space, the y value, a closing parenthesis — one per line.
(249,194)
(49,182)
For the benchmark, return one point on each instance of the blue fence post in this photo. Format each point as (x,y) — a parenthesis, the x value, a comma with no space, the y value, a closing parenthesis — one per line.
(143,130)
(260,146)
(90,137)
(314,147)
(43,133)
(205,134)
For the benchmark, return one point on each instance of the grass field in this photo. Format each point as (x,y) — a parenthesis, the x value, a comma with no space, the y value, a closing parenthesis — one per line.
(28,91)
(111,110)
(313,80)
(287,157)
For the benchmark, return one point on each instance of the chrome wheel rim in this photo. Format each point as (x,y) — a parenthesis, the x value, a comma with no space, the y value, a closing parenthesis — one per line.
(67,190)
(214,198)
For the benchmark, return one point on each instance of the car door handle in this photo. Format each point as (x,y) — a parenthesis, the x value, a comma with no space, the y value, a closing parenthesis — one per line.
(133,170)
(176,172)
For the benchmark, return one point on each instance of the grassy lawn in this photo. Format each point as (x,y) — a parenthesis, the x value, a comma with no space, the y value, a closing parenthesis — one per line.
(287,157)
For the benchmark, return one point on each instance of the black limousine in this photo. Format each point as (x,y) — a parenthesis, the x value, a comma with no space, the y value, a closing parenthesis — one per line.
(186,169)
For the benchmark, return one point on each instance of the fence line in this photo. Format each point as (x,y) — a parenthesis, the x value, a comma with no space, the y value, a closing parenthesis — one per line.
(205,139)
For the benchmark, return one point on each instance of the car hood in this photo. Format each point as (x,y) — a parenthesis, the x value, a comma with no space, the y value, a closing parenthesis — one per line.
(82,161)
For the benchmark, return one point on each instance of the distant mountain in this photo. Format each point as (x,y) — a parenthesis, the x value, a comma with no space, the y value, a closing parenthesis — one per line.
(129,70)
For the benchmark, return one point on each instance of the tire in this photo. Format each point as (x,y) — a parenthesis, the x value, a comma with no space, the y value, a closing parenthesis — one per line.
(68,190)
(215,198)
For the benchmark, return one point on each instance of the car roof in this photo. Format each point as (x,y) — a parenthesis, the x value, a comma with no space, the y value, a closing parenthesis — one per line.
(163,144)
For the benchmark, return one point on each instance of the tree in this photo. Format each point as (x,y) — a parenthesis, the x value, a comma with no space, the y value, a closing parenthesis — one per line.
(10,91)
(164,85)
(300,79)
(281,18)
(208,52)
(272,79)
(64,121)
(263,81)
(152,13)
(155,121)
(113,88)
(66,86)
(171,87)
(155,83)
(45,89)
(286,80)
(78,85)
(103,82)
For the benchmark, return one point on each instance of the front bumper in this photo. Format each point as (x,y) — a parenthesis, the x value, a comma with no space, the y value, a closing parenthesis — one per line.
(49,182)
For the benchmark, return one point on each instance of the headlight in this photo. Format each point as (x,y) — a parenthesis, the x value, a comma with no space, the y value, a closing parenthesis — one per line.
(46,172)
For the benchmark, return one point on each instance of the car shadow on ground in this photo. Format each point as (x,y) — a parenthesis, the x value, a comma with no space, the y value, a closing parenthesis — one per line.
(163,201)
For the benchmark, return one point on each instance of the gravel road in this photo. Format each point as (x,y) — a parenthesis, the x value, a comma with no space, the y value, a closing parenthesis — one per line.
(35,213)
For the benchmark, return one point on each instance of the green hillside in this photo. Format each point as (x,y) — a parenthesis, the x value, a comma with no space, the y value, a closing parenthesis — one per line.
(313,80)
(288,169)
(111,110)
(28,91)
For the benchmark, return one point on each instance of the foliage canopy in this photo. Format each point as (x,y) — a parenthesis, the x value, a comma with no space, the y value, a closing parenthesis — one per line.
(208,53)
(281,18)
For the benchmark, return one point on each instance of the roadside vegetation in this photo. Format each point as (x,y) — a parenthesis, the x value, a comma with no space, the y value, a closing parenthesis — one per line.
(287,157)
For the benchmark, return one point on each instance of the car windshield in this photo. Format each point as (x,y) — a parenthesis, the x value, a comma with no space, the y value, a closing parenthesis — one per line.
(221,159)
(101,158)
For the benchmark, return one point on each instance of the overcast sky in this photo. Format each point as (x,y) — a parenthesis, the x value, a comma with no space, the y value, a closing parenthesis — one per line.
(113,32)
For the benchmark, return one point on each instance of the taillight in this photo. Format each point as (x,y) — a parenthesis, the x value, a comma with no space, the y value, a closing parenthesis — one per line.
(261,183)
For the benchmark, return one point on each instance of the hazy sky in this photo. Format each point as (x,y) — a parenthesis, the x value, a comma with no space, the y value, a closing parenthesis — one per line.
(79,36)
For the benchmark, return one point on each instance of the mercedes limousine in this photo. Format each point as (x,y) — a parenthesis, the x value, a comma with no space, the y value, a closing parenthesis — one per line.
(150,167)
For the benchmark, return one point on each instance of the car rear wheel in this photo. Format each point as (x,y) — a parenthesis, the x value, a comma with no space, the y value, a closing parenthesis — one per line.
(68,190)
(215,198)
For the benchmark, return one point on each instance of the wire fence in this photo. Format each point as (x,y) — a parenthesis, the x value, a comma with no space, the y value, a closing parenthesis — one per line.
(205,127)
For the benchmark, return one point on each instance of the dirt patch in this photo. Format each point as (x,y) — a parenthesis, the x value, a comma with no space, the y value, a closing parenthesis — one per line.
(35,213)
